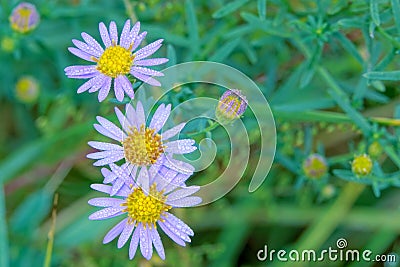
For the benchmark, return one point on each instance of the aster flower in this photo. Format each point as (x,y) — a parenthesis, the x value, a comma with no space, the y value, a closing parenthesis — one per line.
(231,105)
(140,144)
(145,206)
(24,18)
(115,62)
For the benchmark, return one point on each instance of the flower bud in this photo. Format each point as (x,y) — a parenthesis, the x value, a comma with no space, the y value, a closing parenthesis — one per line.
(375,150)
(27,89)
(362,165)
(231,105)
(24,18)
(315,166)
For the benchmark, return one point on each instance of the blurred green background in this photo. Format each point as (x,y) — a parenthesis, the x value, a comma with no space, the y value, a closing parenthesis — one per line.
(329,70)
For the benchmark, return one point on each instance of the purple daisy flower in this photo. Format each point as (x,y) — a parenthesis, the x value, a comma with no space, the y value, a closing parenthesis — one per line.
(141,145)
(115,61)
(145,204)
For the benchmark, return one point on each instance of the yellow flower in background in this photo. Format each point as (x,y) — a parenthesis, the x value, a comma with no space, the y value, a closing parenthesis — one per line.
(27,89)
(24,18)
(362,165)
(7,44)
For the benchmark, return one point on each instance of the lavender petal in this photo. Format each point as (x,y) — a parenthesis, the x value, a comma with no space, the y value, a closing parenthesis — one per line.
(123,120)
(87,48)
(92,42)
(144,78)
(115,231)
(151,61)
(105,37)
(183,192)
(160,117)
(185,202)
(125,35)
(104,146)
(126,233)
(155,237)
(106,213)
(79,53)
(105,89)
(113,32)
(148,49)
(173,131)
(147,71)
(105,202)
(134,243)
(171,234)
(111,127)
(178,223)
(145,243)
(138,40)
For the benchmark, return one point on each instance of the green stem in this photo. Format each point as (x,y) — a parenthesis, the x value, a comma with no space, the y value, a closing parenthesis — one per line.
(211,127)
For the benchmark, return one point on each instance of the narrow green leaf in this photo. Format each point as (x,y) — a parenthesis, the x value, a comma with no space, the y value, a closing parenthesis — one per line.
(229,8)
(396,13)
(349,46)
(374,9)
(310,66)
(224,51)
(344,103)
(265,25)
(383,75)
(262,8)
(249,51)
(4,248)
(171,55)
(40,202)
(378,85)
(350,23)
(22,157)
(191,21)
(30,152)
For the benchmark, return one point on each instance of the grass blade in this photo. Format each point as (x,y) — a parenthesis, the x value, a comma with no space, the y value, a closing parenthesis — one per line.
(4,249)
(262,8)
(222,53)
(374,9)
(396,13)
(229,8)
(383,75)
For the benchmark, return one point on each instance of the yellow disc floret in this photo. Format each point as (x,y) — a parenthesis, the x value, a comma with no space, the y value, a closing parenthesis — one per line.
(362,165)
(146,209)
(116,60)
(142,147)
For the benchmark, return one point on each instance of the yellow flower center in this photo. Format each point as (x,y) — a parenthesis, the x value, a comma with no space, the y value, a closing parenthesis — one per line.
(115,61)
(362,165)
(142,147)
(146,209)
